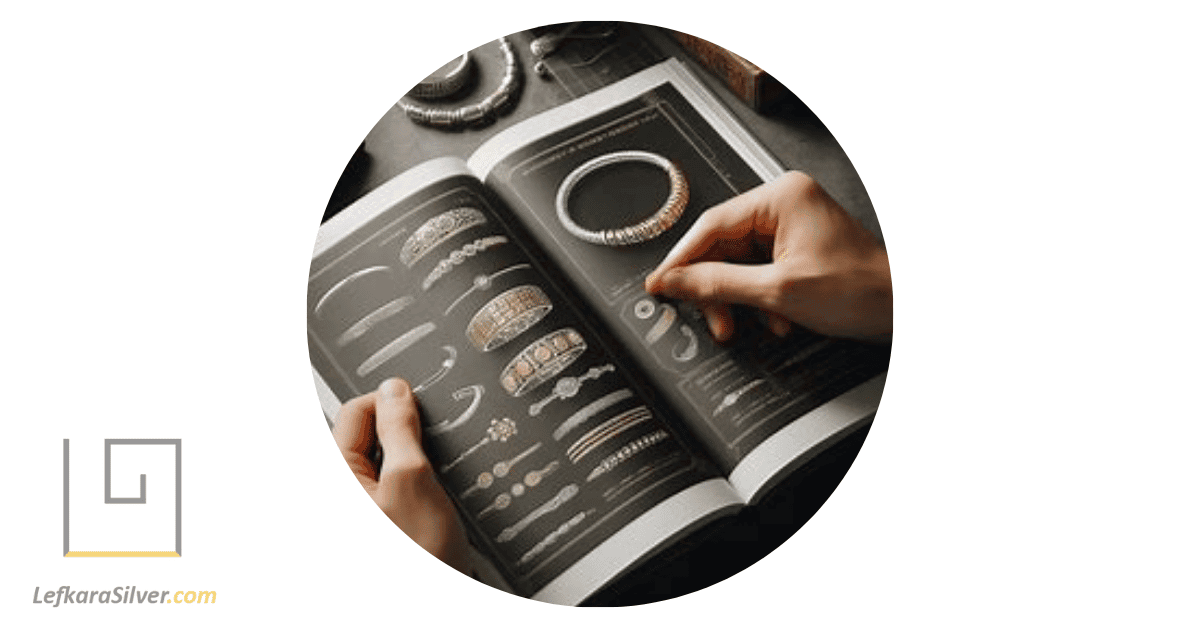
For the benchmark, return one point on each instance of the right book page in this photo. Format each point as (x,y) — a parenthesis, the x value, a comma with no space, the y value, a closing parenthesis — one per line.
(761,406)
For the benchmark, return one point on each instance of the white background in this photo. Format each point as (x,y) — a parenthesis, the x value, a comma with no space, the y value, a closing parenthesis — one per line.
(1032,165)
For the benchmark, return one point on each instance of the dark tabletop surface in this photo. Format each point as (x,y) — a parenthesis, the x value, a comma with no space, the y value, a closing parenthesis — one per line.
(607,52)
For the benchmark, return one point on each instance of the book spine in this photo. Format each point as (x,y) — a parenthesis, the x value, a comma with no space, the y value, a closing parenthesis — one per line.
(747,81)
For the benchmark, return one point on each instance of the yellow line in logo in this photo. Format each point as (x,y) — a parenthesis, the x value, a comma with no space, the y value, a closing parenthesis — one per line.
(122,554)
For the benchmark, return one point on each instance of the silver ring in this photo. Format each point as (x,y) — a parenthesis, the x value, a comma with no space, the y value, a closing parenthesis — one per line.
(648,229)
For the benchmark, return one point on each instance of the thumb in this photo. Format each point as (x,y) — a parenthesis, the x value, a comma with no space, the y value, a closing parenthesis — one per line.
(722,282)
(398,425)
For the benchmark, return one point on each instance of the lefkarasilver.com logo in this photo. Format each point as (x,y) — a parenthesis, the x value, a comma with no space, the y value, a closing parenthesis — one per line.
(129,506)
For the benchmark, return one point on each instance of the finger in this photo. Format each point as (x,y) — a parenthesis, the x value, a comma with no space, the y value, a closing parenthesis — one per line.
(398,424)
(736,218)
(720,321)
(721,282)
(354,427)
(779,325)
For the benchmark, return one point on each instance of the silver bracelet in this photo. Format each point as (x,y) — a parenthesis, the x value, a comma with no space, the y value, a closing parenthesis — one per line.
(459,256)
(442,371)
(563,496)
(378,315)
(648,229)
(437,230)
(394,348)
(498,431)
(507,316)
(483,282)
(552,538)
(542,359)
(603,432)
(434,87)
(480,112)
(584,414)
(568,387)
(611,462)
(475,393)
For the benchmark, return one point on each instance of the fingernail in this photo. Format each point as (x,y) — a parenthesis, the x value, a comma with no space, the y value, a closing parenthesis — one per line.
(666,281)
(715,325)
(394,387)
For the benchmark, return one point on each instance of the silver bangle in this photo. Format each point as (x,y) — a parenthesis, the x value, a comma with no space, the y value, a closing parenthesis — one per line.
(480,112)
(437,230)
(394,348)
(542,359)
(433,87)
(507,316)
(648,229)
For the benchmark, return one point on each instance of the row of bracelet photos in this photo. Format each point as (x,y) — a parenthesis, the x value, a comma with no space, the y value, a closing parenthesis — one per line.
(500,320)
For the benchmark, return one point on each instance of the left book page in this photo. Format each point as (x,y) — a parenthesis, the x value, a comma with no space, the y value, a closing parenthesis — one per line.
(544,437)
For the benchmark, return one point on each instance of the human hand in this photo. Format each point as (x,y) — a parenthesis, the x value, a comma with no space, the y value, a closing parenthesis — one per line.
(796,255)
(403,484)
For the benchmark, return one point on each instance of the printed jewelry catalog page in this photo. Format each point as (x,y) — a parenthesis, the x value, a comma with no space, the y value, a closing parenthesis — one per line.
(568,177)
(578,424)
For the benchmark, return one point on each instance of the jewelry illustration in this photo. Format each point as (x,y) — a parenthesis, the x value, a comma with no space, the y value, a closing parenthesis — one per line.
(499,470)
(533,478)
(644,309)
(647,470)
(483,282)
(380,314)
(507,316)
(736,395)
(475,393)
(459,256)
(479,112)
(603,432)
(648,229)
(553,537)
(693,345)
(664,322)
(504,500)
(568,387)
(394,348)
(345,282)
(447,364)
(584,414)
(542,359)
(435,87)
(626,452)
(500,431)
(437,230)
(555,503)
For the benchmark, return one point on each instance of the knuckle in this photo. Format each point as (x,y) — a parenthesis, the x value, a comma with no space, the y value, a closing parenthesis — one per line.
(409,468)
(712,288)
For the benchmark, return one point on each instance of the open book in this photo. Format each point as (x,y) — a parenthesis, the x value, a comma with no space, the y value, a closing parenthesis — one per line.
(578,424)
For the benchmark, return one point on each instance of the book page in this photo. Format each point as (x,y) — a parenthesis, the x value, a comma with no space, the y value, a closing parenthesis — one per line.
(543,437)
(734,398)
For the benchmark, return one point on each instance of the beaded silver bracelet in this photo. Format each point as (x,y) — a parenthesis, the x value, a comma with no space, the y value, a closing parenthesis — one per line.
(648,229)
(479,112)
